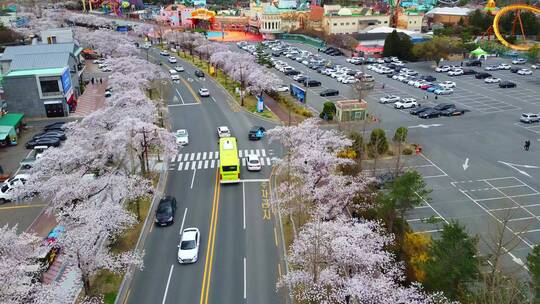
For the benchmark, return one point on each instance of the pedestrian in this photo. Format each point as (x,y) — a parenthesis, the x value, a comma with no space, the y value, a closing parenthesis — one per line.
(100,80)
(527,145)
(382,87)
(461,64)
(436,97)
(92,80)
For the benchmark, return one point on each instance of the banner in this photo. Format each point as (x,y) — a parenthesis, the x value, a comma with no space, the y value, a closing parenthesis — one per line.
(260,103)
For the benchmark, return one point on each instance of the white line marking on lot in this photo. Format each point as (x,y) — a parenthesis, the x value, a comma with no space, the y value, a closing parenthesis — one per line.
(429,231)
(515,167)
(213,99)
(193,165)
(183,221)
(180,95)
(245,280)
(429,160)
(167,287)
(244,205)
(466,164)
(193,178)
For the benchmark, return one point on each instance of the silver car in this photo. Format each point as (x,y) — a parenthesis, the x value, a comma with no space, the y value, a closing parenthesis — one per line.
(529,117)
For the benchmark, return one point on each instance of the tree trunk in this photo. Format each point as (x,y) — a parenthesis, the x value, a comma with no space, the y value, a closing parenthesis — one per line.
(398,159)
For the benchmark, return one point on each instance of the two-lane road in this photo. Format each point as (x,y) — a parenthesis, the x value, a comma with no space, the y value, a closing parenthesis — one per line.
(239,252)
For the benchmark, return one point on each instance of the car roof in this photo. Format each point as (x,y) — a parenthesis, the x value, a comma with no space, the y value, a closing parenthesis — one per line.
(189,234)
(252,156)
(167,198)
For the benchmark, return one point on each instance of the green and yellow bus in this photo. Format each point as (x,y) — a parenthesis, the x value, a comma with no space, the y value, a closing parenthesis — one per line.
(229,163)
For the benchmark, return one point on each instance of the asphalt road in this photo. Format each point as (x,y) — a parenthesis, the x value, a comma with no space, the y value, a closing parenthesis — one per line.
(475,164)
(238,255)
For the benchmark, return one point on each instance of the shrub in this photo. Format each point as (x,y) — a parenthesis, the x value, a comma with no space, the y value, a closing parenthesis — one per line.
(377,142)
(407,151)
(329,108)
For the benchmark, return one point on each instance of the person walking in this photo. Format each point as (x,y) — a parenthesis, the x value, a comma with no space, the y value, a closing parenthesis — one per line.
(92,80)
(461,64)
(382,87)
(527,145)
(436,97)
(100,80)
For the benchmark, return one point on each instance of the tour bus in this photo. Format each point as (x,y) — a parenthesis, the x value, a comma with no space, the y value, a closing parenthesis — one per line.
(229,163)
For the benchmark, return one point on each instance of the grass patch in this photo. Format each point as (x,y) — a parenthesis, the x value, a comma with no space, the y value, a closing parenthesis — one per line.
(105,282)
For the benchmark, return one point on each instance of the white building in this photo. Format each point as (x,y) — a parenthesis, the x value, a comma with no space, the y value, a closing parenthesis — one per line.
(57,35)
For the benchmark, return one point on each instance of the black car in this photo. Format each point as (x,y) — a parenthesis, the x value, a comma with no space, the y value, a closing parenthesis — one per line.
(329,49)
(469,72)
(429,113)
(453,112)
(329,92)
(514,69)
(320,68)
(313,83)
(428,78)
(390,75)
(301,79)
(57,126)
(165,211)
(507,84)
(199,73)
(257,132)
(444,106)
(482,75)
(56,134)
(419,110)
(473,63)
(47,141)
(291,72)
(336,53)
(276,54)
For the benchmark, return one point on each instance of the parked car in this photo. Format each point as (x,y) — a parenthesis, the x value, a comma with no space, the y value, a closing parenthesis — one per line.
(507,84)
(329,92)
(524,72)
(492,80)
(406,103)
(491,68)
(455,72)
(444,68)
(447,84)
(188,249)
(165,211)
(51,134)
(56,126)
(256,132)
(453,111)
(473,63)
(429,113)
(444,106)
(504,66)
(48,141)
(428,78)
(418,110)
(223,131)
(519,61)
(282,88)
(291,72)
(182,137)
(253,163)
(7,188)
(469,72)
(529,117)
(444,92)
(482,75)
(389,99)
(515,69)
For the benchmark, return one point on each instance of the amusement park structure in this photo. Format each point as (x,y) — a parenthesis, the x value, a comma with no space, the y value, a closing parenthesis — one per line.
(491,8)
(114,6)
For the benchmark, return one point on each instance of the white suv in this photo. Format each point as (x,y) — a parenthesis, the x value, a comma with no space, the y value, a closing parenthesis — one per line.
(253,163)
(406,103)
(529,117)
(223,131)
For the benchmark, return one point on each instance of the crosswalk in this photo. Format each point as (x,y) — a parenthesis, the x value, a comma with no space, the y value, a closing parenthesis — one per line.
(210,159)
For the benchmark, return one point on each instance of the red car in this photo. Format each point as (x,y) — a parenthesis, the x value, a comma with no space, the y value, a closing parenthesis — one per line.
(426,86)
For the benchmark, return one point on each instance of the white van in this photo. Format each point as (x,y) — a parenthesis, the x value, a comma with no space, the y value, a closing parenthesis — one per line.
(367,78)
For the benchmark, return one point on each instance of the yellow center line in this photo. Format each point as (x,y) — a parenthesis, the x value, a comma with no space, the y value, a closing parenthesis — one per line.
(210,247)
(23,206)
(190,89)
(275,236)
(213,241)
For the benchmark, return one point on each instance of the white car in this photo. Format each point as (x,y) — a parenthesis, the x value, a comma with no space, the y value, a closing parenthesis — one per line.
(203,92)
(172,59)
(524,72)
(253,163)
(492,80)
(519,61)
(172,72)
(447,84)
(535,66)
(491,68)
(188,249)
(175,77)
(443,91)
(349,79)
(504,66)
(99,61)
(223,131)
(164,53)
(282,88)
(182,137)
(444,68)
(108,94)
(389,99)
(6,189)
(455,72)
(406,103)
(179,68)
(296,77)
(412,81)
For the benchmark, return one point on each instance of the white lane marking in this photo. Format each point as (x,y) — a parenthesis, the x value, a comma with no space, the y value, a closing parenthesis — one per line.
(212,163)
(193,165)
(244,205)
(239,153)
(206,163)
(186,166)
(192,156)
(210,154)
(174,158)
(257,152)
(180,95)
(204,155)
(255,180)
(212,97)
(167,287)
(183,221)
(268,161)
(243,162)
(217,154)
(251,152)
(180,166)
(262,161)
(199,164)
(245,280)
(193,178)
(186,156)
(198,155)
(185,104)
(263,152)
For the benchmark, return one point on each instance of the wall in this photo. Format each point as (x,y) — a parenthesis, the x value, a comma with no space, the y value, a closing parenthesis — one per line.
(62,35)
(447,19)
(352,24)
(22,96)
(413,22)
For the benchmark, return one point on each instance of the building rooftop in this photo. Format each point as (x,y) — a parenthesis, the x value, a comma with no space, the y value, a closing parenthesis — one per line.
(456,11)
(40,72)
(39,61)
(40,49)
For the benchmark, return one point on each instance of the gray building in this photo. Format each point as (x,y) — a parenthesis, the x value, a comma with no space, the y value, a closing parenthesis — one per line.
(42,79)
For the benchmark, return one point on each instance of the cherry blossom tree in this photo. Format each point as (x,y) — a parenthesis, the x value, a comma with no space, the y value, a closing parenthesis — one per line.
(261,80)
(340,260)
(314,183)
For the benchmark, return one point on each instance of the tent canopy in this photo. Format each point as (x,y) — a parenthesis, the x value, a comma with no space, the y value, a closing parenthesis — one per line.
(478,52)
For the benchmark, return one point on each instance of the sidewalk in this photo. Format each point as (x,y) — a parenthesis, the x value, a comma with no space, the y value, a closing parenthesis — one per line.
(283,116)
(92,99)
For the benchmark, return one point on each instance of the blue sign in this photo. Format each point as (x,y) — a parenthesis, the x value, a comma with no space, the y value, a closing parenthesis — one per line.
(298,93)
(260,103)
(66,81)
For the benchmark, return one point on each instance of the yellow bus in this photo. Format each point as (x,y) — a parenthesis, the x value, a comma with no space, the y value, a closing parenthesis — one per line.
(229,163)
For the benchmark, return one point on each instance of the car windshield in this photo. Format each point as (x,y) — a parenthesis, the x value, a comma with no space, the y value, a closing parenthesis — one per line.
(253,161)
(164,208)
(187,245)
(181,132)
